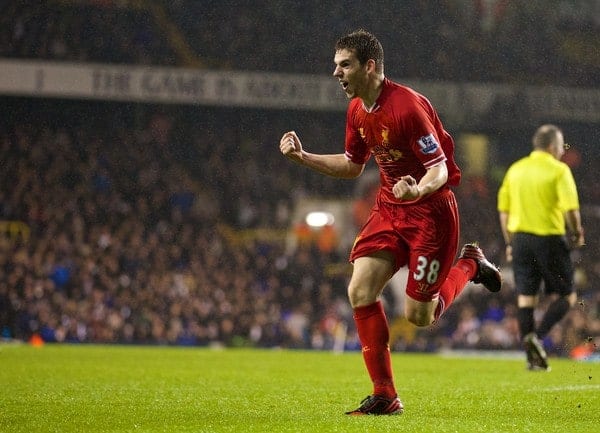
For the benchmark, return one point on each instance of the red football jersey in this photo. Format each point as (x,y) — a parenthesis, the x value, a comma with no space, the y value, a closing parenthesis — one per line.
(403,133)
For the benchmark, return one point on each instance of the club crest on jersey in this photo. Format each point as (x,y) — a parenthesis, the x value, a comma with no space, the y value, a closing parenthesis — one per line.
(428,144)
(385,137)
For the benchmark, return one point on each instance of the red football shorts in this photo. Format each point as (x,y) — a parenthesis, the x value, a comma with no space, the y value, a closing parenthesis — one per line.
(423,236)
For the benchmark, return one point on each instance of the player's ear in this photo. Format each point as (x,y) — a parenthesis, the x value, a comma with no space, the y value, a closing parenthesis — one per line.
(371,66)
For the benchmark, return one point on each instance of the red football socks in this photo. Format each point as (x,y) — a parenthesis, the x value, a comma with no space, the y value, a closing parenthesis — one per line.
(372,328)
(456,281)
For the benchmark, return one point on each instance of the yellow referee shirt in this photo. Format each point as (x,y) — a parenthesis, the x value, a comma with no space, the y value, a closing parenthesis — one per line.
(535,192)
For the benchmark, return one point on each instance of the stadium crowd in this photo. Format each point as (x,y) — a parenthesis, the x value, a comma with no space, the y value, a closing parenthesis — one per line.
(541,42)
(121,230)
(128,237)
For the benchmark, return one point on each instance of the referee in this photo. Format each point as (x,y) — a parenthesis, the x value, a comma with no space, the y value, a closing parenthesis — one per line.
(539,214)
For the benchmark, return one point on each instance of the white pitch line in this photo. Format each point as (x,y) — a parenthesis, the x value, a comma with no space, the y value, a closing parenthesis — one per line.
(569,388)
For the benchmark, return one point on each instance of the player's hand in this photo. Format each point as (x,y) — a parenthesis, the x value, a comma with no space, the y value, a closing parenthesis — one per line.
(291,146)
(406,189)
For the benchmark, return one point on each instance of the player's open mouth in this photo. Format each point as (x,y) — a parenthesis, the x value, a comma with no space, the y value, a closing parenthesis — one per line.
(344,84)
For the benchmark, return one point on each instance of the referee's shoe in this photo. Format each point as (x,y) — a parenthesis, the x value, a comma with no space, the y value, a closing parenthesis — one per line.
(487,274)
(537,360)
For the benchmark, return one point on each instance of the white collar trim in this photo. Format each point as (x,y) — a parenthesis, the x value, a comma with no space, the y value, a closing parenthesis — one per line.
(372,108)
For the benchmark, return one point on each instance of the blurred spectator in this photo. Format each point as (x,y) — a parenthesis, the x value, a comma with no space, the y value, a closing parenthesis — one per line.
(540,42)
(154,254)
(134,215)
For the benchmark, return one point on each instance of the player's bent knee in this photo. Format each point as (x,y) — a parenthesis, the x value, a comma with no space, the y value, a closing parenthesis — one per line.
(361,298)
(419,318)
(419,313)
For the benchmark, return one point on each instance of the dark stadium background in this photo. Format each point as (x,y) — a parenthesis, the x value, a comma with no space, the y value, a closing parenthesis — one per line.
(160,222)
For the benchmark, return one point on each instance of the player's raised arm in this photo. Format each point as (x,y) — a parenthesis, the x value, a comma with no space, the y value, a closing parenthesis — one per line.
(335,165)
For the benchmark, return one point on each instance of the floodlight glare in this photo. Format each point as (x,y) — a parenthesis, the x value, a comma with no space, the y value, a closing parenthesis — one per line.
(319,219)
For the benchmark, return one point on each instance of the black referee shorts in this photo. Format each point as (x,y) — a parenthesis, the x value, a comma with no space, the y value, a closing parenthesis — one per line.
(542,258)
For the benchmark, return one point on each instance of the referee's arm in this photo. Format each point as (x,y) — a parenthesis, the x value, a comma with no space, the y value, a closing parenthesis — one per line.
(506,234)
(574,228)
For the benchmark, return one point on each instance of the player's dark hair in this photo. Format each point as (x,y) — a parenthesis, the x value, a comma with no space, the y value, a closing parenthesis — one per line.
(365,46)
(545,136)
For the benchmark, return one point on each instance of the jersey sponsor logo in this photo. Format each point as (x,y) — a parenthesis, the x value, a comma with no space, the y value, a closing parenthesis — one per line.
(428,144)
(396,154)
(383,154)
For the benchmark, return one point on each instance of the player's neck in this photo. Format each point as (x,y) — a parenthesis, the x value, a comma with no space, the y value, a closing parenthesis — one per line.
(373,91)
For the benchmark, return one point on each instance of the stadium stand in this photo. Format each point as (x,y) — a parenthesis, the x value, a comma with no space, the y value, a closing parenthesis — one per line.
(122,223)
(462,40)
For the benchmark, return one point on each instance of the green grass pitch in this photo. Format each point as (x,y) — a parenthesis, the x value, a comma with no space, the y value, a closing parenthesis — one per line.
(81,388)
